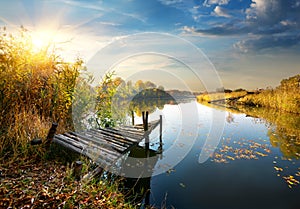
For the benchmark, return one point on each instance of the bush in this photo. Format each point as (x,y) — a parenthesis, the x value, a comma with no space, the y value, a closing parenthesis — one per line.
(36,88)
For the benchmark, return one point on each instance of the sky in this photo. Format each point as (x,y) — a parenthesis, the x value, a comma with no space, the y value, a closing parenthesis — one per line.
(232,43)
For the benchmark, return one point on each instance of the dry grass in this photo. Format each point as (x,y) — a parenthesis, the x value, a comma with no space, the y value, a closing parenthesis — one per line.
(36,88)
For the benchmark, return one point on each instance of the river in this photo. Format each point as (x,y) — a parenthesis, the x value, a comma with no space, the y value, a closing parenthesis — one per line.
(255,164)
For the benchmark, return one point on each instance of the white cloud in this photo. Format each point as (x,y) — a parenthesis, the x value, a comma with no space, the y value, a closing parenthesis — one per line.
(188,30)
(208,3)
(220,11)
(288,23)
(170,2)
(266,11)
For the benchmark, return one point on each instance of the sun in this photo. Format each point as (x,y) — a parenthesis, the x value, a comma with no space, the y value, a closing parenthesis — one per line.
(47,39)
(42,39)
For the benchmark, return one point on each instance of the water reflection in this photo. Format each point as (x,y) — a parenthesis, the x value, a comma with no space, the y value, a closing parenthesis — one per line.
(150,100)
(283,127)
(247,165)
(138,189)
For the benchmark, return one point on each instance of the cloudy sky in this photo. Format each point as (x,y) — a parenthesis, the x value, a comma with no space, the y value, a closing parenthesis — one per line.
(250,43)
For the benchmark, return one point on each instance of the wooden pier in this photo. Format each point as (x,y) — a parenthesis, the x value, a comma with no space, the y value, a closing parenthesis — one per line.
(105,146)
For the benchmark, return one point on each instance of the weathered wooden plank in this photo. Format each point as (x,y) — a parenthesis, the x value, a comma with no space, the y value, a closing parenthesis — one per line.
(67,145)
(70,141)
(130,132)
(116,135)
(108,139)
(129,136)
(129,128)
(97,156)
(119,134)
(100,141)
(90,143)
(111,137)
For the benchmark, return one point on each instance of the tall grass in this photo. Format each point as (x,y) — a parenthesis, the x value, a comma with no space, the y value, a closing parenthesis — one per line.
(285,97)
(36,88)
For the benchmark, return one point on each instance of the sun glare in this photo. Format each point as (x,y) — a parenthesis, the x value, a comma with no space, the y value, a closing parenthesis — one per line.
(45,39)
(42,39)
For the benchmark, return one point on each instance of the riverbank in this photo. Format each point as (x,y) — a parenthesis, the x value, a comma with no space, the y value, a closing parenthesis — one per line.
(285,97)
(38,182)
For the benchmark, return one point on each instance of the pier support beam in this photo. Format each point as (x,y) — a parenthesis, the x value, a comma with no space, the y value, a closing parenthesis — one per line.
(145,125)
(160,148)
(132,117)
(51,134)
(77,170)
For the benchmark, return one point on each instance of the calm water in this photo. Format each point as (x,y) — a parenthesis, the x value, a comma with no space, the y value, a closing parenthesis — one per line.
(255,165)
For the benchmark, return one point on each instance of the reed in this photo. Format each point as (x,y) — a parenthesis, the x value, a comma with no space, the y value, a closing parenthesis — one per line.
(36,88)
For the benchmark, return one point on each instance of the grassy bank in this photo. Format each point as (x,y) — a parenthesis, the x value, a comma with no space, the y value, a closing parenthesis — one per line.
(220,96)
(285,97)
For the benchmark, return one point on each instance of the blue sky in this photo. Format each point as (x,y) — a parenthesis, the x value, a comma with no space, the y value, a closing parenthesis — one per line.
(250,43)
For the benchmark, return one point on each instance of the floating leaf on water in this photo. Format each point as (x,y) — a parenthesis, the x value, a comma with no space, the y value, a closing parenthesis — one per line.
(170,171)
(278,168)
(291,180)
(230,158)
(182,185)
(261,154)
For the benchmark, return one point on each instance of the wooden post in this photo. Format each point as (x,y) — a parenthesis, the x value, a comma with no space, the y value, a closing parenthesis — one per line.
(77,170)
(160,134)
(51,133)
(145,120)
(145,125)
(132,117)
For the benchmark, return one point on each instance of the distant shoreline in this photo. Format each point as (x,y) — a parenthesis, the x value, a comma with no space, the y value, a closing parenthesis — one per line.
(285,97)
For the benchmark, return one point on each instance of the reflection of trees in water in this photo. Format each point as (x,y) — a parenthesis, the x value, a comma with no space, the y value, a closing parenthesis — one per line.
(149,100)
(284,129)
(288,143)
(117,99)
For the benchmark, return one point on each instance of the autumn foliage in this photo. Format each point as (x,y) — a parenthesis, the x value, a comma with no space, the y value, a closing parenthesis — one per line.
(285,97)
(36,88)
